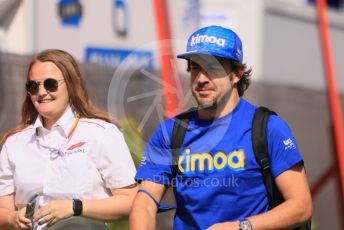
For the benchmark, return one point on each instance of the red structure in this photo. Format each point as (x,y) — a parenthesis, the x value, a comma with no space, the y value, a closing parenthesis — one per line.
(166,57)
(333,97)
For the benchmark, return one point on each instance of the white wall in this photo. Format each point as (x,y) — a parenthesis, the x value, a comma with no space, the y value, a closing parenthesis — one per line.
(280,37)
(292,48)
(96,28)
(245,17)
(18,38)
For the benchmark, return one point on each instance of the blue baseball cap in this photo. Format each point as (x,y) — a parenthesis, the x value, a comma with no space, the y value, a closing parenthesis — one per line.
(215,41)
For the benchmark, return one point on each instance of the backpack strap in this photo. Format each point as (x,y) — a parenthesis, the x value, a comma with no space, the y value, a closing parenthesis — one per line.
(178,133)
(260,149)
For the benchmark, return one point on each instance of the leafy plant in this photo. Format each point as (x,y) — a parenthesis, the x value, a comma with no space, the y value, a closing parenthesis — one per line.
(133,137)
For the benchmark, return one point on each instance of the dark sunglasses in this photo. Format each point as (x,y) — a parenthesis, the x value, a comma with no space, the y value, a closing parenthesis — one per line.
(50,84)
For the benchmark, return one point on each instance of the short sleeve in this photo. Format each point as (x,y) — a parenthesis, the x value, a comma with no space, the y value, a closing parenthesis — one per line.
(283,150)
(6,173)
(115,163)
(156,163)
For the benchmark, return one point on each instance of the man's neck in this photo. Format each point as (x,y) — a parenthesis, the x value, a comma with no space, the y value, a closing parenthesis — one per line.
(222,109)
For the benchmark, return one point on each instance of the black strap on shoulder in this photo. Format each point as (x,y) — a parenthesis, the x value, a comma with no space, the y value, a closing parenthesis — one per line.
(260,149)
(179,129)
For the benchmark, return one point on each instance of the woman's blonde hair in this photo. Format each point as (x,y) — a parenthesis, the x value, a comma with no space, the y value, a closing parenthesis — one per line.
(78,96)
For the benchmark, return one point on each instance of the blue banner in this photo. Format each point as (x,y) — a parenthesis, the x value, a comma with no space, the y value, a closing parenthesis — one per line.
(115,57)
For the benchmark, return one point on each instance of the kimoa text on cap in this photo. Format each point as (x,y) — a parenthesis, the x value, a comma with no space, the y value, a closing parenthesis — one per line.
(207,39)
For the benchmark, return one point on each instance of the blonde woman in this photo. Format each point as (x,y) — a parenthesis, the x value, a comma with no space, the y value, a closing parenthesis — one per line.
(65,155)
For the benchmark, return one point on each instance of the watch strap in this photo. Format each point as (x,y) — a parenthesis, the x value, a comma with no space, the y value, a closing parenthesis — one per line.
(77,207)
(245,225)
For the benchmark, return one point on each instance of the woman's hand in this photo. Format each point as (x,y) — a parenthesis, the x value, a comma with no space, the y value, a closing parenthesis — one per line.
(19,221)
(53,212)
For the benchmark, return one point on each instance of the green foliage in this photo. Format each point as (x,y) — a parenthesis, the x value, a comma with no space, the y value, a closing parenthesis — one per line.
(119,225)
(134,138)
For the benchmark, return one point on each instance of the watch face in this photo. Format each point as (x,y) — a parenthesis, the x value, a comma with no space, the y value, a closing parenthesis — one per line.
(245,225)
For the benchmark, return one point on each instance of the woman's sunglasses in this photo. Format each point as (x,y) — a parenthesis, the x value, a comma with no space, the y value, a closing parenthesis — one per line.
(50,84)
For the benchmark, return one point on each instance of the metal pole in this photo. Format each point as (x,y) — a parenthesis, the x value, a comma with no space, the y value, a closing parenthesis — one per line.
(166,56)
(333,94)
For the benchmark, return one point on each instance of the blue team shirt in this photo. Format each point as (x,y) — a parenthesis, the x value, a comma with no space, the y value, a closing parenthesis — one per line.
(218,179)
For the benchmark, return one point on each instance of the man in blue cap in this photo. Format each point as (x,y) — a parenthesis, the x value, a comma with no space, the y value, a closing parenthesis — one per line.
(217,182)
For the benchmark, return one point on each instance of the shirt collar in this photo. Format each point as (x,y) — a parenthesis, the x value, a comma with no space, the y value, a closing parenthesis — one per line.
(38,123)
(65,121)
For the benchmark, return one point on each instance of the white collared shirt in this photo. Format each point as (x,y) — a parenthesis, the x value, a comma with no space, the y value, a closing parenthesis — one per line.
(95,160)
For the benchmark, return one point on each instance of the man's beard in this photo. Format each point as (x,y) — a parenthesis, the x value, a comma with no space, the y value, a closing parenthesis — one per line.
(216,104)
(208,106)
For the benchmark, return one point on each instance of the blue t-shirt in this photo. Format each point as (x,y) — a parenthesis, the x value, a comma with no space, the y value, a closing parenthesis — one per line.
(218,179)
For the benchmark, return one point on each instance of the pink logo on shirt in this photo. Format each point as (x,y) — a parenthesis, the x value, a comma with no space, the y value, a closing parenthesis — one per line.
(80,144)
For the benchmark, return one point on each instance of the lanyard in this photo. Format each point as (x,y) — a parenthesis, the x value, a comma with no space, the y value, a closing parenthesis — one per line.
(56,152)
(75,124)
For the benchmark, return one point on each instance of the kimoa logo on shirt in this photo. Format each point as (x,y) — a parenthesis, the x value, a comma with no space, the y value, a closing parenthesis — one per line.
(207,39)
(191,162)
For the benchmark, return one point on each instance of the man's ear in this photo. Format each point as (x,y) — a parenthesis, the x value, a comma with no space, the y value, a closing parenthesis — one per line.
(236,76)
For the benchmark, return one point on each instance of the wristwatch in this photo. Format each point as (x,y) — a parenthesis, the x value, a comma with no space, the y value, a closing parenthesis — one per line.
(77,207)
(245,225)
